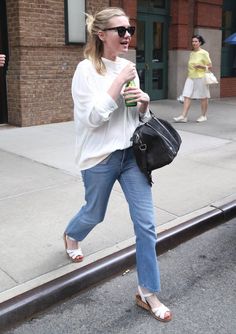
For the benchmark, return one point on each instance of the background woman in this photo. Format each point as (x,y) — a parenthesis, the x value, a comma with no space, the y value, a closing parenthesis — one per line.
(104,126)
(195,86)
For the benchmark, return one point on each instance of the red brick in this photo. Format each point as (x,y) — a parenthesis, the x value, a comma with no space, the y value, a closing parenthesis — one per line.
(228,87)
(208,14)
(41,66)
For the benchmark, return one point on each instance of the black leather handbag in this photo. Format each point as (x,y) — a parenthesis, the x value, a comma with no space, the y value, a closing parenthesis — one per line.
(155,144)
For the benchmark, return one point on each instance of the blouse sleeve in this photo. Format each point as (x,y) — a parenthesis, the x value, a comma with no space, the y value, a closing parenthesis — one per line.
(207,58)
(92,106)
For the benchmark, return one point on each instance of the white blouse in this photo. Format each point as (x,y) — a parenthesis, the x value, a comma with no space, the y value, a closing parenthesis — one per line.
(102,124)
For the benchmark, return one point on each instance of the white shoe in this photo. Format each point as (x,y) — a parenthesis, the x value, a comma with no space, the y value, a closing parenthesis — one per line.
(180,99)
(180,119)
(75,255)
(202,119)
(161,313)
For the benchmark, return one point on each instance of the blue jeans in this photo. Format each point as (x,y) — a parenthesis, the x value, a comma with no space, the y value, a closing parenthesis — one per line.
(98,182)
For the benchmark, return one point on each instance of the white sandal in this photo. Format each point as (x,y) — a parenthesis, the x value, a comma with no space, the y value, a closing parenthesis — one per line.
(75,255)
(157,312)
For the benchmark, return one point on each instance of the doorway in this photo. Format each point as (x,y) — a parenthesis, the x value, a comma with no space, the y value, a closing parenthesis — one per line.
(152,51)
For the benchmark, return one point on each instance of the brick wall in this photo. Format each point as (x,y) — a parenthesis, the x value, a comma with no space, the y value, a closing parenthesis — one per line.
(228,87)
(41,66)
(13,74)
(208,13)
(182,24)
(186,15)
(179,28)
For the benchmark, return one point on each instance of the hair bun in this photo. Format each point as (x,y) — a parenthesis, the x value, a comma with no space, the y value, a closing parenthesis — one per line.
(89,22)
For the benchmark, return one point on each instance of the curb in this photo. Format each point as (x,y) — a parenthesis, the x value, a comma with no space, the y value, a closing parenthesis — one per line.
(38,299)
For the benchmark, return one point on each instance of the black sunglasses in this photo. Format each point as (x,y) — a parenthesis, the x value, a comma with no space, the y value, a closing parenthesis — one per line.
(122,30)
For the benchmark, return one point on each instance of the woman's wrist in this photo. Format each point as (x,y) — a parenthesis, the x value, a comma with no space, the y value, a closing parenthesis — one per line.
(144,107)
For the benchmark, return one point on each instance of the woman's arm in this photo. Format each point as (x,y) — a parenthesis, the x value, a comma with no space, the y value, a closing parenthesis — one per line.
(92,105)
(204,67)
(208,66)
(127,74)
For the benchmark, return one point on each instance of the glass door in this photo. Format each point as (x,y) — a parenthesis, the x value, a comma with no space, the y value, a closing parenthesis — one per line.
(152,51)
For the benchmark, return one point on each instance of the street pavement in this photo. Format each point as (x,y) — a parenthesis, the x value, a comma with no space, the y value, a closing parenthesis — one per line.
(201,295)
(41,190)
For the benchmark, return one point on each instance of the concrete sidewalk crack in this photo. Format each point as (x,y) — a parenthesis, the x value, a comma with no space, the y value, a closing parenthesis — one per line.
(12,278)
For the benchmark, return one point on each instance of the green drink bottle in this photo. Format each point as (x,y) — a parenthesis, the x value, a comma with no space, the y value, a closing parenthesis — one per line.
(127,101)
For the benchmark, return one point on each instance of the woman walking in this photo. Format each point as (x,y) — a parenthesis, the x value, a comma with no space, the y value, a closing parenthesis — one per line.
(195,86)
(104,126)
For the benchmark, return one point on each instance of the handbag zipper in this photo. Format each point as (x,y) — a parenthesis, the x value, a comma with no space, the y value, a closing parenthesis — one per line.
(171,148)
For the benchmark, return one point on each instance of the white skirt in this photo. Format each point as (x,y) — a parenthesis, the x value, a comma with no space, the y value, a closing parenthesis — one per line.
(196,88)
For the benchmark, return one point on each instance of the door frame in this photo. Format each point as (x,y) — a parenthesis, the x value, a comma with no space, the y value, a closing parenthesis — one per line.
(149,15)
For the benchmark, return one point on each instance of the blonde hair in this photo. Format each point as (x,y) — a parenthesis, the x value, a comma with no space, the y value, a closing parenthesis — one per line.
(94,48)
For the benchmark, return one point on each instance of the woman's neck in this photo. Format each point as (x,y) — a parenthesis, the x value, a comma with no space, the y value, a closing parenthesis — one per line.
(110,56)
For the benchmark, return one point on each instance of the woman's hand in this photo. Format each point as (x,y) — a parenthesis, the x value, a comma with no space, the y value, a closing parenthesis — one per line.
(135,94)
(2,60)
(144,102)
(128,73)
(202,67)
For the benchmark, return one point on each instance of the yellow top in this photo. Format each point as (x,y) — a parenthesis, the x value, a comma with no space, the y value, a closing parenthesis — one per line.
(200,57)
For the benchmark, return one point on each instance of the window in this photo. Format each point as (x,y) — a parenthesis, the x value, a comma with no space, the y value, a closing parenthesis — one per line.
(75,21)
(228,56)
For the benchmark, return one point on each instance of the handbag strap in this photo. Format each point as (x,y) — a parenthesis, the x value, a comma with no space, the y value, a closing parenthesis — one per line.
(143,150)
(151,113)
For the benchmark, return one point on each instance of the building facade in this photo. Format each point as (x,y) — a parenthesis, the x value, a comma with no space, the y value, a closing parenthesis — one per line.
(36,81)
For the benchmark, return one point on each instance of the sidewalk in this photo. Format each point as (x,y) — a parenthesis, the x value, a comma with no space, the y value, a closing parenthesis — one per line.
(41,190)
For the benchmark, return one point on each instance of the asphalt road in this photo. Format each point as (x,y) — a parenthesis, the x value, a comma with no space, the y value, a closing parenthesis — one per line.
(198,284)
